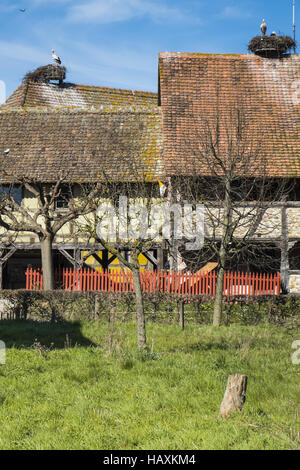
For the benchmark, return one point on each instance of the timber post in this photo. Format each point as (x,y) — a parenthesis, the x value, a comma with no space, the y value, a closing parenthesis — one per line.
(3,260)
(181,314)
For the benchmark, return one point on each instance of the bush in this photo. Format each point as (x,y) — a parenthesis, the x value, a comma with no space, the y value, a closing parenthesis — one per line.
(160,308)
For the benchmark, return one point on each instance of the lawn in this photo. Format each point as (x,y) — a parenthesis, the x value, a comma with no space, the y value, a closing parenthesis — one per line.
(90,389)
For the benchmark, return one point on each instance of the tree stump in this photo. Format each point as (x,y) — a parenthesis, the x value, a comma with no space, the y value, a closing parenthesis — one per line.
(235,394)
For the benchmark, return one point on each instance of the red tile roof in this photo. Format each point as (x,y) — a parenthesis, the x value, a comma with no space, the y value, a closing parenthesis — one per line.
(123,143)
(193,86)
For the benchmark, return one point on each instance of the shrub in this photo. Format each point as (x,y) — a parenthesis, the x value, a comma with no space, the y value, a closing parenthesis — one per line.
(161,308)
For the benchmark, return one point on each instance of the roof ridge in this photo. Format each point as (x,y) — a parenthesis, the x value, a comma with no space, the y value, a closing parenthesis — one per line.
(112,89)
(171,55)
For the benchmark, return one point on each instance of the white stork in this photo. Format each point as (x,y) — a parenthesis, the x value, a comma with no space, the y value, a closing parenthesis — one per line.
(55,57)
(263,27)
(162,189)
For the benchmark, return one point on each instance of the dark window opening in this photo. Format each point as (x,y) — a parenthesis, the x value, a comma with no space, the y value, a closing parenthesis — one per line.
(62,201)
(14,191)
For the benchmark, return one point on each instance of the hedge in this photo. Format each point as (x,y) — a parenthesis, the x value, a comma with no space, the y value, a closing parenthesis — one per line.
(57,305)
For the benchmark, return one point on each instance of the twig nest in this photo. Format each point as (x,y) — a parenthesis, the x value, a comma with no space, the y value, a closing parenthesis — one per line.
(271,46)
(46,73)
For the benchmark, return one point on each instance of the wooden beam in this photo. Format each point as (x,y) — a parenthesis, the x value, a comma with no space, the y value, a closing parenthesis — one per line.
(150,258)
(98,259)
(160,258)
(8,255)
(106,261)
(68,256)
(3,260)
(111,258)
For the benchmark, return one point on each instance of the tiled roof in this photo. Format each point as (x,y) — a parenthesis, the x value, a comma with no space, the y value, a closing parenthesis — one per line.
(68,94)
(121,142)
(193,86)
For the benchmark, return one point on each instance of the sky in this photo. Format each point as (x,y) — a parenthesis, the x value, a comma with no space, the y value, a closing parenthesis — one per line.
(115,43)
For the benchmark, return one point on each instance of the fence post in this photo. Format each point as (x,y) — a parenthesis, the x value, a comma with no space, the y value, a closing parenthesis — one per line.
(97,306)
(181,314)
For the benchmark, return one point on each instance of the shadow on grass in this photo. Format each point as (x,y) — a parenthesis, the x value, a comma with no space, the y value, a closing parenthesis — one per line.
(23,333)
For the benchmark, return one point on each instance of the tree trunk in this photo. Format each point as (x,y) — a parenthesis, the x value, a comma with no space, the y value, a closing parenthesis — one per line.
(284,263)
(235,395)
(47,263)
(218,303)
(1,276)
(140,314)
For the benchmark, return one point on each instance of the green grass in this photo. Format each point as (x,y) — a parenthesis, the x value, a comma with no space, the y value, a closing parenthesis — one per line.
(92,390)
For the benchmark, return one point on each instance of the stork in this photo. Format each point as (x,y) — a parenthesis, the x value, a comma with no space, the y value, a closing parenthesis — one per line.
(263,27)
(162,188)
(55,57)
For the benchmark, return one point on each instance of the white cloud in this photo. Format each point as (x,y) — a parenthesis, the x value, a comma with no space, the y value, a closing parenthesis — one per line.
(109,11)
(22,52)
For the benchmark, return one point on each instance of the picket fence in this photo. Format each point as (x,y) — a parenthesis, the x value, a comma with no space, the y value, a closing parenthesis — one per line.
(185,283)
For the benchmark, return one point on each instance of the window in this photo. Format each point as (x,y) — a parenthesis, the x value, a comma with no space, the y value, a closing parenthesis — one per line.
(15,192)
(62,202)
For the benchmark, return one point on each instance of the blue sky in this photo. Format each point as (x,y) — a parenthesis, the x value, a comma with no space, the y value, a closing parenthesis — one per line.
(116,42)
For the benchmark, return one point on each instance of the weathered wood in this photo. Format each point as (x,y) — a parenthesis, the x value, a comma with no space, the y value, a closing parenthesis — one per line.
(9,254)
(97,307)
(235,395)
(181,314)
(150,257)
(160,258)
(68,256)
(55,246)
(106,259)
(3,260)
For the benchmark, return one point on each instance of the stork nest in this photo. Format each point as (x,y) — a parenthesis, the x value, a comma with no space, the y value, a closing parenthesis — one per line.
(46,73)
(269,46)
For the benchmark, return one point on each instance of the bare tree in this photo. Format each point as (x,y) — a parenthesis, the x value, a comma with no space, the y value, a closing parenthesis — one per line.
(125,215)
(228,172)
(46,218)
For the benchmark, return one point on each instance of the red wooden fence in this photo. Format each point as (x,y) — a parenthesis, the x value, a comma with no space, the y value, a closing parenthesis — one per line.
(187,283)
